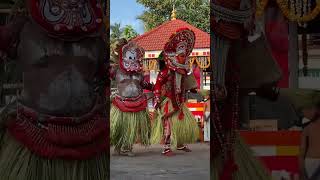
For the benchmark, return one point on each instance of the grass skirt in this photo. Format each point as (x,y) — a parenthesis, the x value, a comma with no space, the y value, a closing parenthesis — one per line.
(182,131)
(249,167)
(18,163)
(129,127)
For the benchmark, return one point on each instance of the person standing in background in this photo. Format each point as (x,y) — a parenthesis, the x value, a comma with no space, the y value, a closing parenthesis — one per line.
(308,102)
(206,100)
(310,146)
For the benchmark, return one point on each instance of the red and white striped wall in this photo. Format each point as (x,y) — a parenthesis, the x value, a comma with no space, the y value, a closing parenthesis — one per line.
(278,150)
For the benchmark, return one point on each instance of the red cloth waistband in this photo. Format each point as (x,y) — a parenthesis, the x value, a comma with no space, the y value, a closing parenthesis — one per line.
(61,137)
(131,104)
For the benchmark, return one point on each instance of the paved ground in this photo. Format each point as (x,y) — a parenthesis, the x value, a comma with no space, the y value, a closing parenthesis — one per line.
(149,164)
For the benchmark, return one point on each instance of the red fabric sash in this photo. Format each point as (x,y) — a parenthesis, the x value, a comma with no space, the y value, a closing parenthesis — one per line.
(131,104)
(61,137)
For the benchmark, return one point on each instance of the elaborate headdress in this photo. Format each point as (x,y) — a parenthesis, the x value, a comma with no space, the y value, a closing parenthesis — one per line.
(130,58)
(181,42)
(116,49)
(67,18)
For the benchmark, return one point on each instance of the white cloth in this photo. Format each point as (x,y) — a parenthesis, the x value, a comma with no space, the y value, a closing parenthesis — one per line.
(311,165)
(305,120)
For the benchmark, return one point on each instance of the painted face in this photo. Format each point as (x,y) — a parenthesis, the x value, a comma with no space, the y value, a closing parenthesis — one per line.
(181,58)
(181,52)
(131,61)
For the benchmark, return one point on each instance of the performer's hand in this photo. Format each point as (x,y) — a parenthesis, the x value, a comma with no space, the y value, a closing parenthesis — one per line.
(156,103)
(195,90)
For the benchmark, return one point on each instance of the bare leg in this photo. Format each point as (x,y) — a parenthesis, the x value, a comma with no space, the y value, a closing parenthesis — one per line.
(167,139)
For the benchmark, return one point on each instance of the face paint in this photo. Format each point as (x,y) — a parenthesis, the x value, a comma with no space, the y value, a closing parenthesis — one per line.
(131,58)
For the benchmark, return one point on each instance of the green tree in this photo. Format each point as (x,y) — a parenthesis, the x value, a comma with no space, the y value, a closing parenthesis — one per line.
(195,12)
(128,32)
(117,32)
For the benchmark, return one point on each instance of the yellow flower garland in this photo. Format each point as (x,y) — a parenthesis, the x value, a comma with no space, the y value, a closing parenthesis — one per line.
(293,17)
(202,65)
(199,63)
(152,64)
(261,7)
(287,13)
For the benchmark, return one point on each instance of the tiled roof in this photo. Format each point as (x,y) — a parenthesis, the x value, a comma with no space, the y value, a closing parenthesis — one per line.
(156,38)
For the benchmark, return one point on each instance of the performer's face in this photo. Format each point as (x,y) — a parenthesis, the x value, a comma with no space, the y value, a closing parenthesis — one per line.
(130,61)
(181,58)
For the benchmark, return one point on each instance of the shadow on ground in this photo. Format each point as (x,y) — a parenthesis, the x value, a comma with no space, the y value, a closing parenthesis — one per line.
(149,164)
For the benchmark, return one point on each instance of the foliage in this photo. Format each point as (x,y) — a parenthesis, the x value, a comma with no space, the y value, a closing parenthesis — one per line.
(117,32)
(129,33)
(195,12)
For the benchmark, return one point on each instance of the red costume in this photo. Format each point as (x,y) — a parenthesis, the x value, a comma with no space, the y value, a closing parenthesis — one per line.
(175,123)
(235,66)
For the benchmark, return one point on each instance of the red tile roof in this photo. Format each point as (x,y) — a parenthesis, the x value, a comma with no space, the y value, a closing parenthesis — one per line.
(156,38)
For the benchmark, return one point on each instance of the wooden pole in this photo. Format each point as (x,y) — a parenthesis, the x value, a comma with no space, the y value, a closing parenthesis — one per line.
(293,56)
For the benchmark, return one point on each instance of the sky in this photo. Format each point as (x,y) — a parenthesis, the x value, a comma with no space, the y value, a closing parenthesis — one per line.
(126,12)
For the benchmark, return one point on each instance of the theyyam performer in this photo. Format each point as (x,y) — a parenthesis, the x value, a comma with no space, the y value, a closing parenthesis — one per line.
(174,123)
(130,121)
(57,129)
(240,66)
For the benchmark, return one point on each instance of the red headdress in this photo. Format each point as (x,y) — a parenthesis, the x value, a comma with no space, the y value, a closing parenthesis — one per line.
(67,18)
(181,42)
(130,58)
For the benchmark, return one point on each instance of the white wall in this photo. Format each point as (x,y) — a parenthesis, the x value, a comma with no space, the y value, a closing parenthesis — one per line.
(309,82)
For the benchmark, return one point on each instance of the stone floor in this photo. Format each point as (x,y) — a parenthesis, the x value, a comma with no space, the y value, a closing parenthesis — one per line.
(149,164)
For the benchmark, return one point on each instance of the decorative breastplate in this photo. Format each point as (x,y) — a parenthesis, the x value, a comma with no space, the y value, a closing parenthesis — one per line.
(129,85)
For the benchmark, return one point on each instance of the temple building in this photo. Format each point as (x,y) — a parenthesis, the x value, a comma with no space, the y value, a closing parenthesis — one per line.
(154,40)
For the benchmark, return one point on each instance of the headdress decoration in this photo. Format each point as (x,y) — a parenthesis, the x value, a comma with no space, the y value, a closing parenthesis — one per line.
(116,49)
(67,18)
(182,41)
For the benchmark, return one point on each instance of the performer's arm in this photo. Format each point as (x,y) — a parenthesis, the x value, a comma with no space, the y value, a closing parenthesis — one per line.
(194,90)
(147,85)
(161,79)
(112,71)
